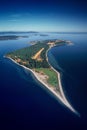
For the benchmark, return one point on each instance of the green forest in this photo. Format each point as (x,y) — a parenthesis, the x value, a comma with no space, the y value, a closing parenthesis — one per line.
(26,54)
(24,57)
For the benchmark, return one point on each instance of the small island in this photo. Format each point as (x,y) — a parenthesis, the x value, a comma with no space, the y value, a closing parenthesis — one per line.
(11,37)
(34,58)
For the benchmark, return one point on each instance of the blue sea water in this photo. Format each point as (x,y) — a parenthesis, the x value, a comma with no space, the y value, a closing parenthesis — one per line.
(25,104)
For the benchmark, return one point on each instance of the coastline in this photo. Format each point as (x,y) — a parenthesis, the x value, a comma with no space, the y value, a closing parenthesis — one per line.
(59,96)
(63,98)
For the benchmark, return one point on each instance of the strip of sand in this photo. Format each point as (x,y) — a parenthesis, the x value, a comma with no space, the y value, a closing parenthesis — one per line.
(51,89)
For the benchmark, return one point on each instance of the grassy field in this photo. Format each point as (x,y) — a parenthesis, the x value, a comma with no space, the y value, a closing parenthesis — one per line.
(52,80)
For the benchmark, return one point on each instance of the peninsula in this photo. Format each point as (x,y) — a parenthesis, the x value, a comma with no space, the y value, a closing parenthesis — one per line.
(34,58)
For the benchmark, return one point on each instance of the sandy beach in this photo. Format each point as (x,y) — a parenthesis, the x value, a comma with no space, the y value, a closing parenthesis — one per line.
(62,98)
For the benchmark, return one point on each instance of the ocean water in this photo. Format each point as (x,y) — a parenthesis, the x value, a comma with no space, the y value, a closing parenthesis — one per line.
(71,61)
(25,104)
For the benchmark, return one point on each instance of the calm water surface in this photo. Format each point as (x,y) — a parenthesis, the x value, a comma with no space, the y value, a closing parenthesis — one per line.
(25,104)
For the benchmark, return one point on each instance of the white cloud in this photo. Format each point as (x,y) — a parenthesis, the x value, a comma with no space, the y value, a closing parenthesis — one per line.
(15,15)
(20,15)
(12,20)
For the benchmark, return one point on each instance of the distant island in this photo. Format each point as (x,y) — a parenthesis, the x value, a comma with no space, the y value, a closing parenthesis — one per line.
(34,59)
(44,35)
(17,32)
(11,37)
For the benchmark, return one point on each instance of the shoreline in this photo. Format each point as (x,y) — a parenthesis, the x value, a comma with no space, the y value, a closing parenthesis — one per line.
(59,96)
(63,98)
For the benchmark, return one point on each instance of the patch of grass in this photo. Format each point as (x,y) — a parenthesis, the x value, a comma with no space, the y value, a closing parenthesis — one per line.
(53,78)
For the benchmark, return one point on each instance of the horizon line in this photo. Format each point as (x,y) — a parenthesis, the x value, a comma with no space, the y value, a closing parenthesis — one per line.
(43,31)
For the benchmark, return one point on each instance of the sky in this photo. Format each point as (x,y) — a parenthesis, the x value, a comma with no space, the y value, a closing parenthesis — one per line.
(43,15)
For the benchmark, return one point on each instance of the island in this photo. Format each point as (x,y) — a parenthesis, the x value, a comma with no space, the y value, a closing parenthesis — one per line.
(11,37)
(34,58)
